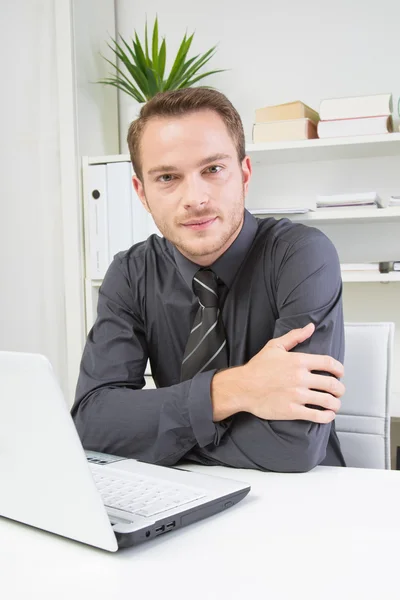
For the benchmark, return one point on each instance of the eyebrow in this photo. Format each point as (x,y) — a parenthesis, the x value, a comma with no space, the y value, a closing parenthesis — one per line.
(205,161)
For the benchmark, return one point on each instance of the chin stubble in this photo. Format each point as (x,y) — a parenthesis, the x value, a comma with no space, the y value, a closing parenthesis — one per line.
(193,251)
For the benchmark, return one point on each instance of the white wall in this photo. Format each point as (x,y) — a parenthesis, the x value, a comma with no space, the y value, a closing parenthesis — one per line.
(97,105)
(32,316)
(283,51)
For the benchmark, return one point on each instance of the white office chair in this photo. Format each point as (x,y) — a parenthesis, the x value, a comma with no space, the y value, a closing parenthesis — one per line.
(363,422)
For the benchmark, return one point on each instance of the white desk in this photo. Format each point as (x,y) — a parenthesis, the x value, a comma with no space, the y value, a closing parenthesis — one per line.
(330,533)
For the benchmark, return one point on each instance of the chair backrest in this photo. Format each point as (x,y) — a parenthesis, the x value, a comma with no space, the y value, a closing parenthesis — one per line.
(363,422)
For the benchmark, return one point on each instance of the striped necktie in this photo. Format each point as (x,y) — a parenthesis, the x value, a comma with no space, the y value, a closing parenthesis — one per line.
(206,347)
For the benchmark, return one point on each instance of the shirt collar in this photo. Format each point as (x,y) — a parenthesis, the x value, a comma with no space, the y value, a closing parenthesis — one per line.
(227,265)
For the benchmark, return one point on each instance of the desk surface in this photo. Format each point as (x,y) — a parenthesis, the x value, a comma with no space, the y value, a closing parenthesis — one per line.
(329,533)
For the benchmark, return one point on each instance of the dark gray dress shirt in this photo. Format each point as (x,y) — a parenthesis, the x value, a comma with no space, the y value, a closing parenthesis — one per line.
(276,276)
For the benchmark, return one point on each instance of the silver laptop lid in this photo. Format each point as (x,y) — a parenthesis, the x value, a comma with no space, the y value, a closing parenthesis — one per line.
(45,480)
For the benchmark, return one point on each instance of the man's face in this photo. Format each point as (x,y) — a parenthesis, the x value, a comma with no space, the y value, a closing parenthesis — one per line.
(193,184)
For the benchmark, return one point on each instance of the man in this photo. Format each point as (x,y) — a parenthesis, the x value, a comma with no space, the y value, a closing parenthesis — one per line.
(240,318)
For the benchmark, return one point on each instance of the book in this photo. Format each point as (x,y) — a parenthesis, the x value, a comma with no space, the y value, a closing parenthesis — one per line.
(284,131)
(394,201)
(286,112)
(356,106)
(349,127)
(353,199)
(396,265)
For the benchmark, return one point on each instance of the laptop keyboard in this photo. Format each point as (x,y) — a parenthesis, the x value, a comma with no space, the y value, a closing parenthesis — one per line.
(143,496)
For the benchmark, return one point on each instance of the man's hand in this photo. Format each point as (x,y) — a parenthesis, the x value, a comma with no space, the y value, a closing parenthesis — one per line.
(277,384)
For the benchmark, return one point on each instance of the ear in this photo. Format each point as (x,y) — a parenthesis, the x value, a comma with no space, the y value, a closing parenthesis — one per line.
(139,189)
(246,172)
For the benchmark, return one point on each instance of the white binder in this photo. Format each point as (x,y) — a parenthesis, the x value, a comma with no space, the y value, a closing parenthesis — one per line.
(96,202)
(116,217)
(120,218)
(143,223)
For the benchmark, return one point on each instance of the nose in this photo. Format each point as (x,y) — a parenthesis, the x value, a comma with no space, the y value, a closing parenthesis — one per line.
(194,193)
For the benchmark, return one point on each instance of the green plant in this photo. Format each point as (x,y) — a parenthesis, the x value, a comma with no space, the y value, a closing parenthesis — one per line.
(144,71)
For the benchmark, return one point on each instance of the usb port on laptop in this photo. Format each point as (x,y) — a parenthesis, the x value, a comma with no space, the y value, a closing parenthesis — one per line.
(160,529)
(170,525)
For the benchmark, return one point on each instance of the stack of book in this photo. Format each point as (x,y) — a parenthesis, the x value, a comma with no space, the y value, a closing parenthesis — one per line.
(358,199)
(285,122)
(352,116)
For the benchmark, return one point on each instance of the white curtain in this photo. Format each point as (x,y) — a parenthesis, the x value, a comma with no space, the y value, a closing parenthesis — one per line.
(32,315)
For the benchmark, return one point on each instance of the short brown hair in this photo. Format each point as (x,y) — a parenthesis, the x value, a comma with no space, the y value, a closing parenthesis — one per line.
(181,102)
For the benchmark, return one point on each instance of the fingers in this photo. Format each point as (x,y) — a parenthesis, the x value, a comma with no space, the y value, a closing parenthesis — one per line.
(325,383)
(320,362)
(326,401)
(292,338)
(314,415)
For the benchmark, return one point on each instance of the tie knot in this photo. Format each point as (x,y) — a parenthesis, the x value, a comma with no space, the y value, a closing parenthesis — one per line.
(205,286)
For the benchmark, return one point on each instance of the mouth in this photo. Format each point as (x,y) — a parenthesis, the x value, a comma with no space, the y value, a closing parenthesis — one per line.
(199,224)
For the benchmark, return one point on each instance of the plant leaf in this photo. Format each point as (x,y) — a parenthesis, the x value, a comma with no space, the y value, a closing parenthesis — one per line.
(140,57)
(121,54)
(146,45)
(128,82)
(161,62)
(200,63)
(123,84)
(131,90)
(141,74)
(128,47)
(131,52)
(134,71)
(181,71)
(123,75)
(152,82)
(155,46)
(179,59)
(189,83)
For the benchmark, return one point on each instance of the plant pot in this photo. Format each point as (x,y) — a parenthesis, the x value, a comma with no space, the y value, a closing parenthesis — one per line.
(128,111)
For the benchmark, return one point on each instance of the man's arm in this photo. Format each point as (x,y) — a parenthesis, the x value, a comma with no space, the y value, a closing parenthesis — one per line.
(309,289)
(112,412)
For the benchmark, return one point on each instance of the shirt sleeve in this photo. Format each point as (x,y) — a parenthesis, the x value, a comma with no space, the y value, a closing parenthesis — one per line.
(308,289)
(112,413)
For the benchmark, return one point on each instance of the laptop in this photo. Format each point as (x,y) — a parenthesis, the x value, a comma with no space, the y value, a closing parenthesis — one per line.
(48,481)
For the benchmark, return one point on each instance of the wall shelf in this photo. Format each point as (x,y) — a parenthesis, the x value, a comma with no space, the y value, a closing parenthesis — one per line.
(339,215)
(362,146)
(370,277)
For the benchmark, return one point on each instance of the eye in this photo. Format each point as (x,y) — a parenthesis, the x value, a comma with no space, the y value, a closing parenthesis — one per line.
(214,167)
(165,180)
